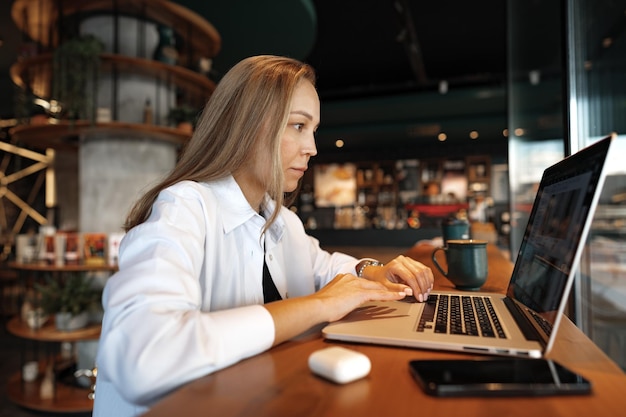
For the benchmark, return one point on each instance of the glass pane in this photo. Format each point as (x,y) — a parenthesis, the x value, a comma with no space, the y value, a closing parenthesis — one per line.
(594,82)
(535,109)
(597,39)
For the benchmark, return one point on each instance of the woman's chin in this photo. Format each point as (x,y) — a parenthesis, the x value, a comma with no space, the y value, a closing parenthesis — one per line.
(288,188)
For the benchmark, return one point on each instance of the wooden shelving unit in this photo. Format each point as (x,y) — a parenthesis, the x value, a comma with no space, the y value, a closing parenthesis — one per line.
(40,19)
(45,267)
(376,181)
(479,175)
(65,134)
(49,333)
(36,73)
(45,24)
(67,398)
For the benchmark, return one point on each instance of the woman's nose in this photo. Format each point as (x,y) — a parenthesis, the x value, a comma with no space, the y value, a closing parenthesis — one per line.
(310,148)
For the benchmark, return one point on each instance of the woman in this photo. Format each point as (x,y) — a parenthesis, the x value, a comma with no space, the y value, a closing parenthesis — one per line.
(208,248)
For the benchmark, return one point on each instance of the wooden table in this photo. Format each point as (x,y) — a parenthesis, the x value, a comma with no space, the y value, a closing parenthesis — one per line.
(279,383)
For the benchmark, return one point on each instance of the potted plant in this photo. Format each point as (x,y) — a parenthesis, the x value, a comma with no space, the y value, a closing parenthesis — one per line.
(70,301)
(76,69)
(183,117)
(26,109)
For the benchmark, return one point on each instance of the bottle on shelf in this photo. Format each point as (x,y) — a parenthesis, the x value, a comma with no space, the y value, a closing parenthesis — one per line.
(46,389)
(147,112)
(166,50)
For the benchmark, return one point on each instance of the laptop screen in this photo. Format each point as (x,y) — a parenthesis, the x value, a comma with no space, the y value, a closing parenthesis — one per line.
(558,222)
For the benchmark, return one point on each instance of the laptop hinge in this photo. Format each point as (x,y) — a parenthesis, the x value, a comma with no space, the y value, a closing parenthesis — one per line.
(524,324)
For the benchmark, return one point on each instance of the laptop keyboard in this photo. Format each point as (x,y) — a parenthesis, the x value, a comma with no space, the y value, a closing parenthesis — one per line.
(543,323)
(460,314)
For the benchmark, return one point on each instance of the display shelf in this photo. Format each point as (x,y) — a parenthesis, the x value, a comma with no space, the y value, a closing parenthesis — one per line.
(66,134)
(35,73)
(479,175)
(45,267)
(67,398)
(375,184)
(41,19)
(49,333)
(45,24)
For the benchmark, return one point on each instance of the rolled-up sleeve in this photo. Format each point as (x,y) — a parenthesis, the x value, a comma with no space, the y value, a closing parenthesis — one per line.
(187,300)
(157,331)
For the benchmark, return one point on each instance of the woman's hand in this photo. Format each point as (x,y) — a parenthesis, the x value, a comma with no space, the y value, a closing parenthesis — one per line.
(340,296)
(408,271)
(347,292)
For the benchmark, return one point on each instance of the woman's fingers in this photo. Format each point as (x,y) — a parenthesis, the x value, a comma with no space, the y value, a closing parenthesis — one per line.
(416,275)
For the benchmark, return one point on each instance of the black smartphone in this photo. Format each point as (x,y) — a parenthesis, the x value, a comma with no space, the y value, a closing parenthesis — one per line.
(491,377)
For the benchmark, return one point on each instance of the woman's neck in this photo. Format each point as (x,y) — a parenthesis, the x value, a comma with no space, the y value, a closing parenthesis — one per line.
(251,189)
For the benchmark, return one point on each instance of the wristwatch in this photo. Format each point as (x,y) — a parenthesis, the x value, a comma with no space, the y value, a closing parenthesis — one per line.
(365,264)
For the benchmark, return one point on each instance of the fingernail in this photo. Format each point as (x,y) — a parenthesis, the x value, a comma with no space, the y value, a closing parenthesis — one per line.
(420,297)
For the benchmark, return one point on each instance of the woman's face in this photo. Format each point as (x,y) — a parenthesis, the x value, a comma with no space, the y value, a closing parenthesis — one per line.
(298,141)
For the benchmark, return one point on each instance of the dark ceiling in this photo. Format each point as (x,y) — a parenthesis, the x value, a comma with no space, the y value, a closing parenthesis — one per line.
(361,49)
(374,47)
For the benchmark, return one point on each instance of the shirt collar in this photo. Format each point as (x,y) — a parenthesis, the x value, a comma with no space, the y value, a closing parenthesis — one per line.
(277,228)
(236,210)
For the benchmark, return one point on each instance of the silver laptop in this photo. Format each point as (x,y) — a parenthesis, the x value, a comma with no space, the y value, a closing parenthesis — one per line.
(524,321)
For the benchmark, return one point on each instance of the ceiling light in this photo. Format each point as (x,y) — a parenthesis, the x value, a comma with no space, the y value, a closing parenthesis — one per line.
(443,87)
(339,143)
(519,131)
(442,137)
(473,134)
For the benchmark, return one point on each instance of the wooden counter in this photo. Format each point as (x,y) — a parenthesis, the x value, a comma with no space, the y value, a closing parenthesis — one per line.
(279,383)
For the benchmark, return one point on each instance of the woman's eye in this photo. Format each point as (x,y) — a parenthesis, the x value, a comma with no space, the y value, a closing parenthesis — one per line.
(299,126)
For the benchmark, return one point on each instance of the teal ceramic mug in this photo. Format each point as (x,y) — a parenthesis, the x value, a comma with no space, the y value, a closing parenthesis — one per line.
(455,229)
(467,262)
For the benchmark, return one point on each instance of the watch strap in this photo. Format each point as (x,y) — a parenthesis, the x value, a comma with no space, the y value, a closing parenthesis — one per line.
(365,264)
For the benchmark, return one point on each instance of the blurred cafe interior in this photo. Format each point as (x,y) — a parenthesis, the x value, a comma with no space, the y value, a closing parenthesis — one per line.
(430,111)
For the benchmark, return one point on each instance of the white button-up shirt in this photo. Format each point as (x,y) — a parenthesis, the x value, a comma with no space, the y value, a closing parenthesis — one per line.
(187,299)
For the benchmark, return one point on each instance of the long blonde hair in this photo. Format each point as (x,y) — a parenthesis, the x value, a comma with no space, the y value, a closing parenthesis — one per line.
(247,112)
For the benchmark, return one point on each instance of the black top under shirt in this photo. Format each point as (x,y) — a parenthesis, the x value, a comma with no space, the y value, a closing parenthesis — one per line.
(270,292)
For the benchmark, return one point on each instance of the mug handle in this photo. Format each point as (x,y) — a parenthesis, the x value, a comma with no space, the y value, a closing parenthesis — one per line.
(434,258)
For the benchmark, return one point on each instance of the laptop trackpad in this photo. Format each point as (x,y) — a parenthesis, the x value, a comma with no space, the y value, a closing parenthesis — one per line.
(392,319)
